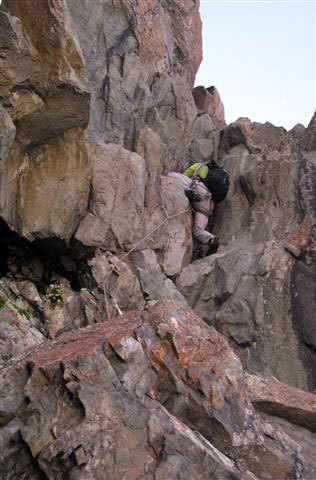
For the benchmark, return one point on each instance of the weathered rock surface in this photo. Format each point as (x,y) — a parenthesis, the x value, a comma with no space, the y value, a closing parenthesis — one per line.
(7,134)
(142,97)
(45,94)
(20,330)
(208,125)
(96,108)
(309,139)
(144,371)
(259,288)
(134,93)
(262,137)
(209,101)
(281,400)
(154,283)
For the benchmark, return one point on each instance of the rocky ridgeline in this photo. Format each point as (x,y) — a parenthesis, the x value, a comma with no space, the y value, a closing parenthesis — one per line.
(122,356)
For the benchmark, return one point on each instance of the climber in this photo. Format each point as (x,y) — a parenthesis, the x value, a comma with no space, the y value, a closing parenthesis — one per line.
(205,184)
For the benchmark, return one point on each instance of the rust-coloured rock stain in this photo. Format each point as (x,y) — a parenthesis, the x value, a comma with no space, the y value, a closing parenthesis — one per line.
(300,237)
(88,340)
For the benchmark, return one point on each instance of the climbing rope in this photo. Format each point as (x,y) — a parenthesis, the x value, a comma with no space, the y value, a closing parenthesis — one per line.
(106,288)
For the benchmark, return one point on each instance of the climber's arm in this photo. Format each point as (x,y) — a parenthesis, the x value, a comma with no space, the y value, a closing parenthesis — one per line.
(203,172)
(188,172)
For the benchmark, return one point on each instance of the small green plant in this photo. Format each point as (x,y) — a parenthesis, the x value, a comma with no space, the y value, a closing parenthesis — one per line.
(54,293)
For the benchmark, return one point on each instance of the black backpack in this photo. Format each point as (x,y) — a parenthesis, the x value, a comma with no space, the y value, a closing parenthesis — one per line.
(217,182)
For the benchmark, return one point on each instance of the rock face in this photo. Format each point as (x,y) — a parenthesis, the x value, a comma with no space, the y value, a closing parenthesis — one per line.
(44,92)
(208,101)
(120,399)
(98,66)
(121,356)
(255,289)
(309,139)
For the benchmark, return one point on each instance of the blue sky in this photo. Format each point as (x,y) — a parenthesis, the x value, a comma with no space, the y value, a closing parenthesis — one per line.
(260,55)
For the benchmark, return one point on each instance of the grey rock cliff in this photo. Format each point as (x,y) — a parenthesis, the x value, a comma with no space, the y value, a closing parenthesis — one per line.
(255,289)
(123,356)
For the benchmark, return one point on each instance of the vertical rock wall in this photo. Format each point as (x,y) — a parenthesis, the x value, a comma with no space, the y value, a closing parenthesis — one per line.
(259,289)
(303,274)
(45,102)
(82,88)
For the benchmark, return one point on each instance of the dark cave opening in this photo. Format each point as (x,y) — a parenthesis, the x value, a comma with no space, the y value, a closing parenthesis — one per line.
(43,260)
(8,239)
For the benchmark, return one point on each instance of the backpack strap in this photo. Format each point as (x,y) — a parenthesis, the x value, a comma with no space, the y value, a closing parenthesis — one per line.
(197,170)
(194,177)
